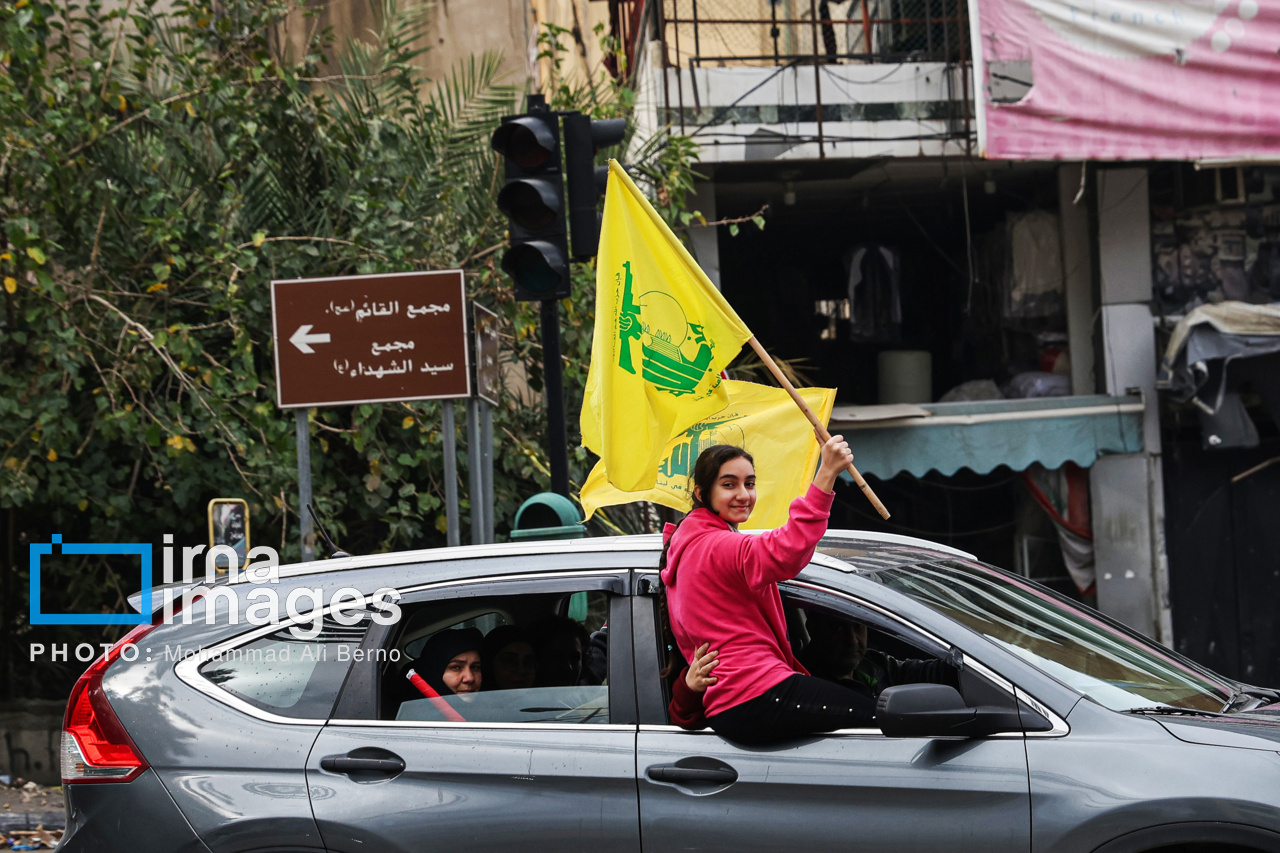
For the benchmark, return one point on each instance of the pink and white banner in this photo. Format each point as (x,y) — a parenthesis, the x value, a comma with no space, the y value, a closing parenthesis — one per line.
(1128,79)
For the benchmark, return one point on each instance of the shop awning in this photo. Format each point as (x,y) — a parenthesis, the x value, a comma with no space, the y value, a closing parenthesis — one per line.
(946,437)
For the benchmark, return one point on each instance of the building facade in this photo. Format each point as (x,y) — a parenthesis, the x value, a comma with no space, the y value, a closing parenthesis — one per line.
(994,328)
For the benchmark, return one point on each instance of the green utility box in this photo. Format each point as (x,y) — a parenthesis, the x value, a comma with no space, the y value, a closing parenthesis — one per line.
(547,516)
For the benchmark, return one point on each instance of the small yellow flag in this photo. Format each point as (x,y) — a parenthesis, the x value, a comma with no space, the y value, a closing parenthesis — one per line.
(663,334)
(766,422)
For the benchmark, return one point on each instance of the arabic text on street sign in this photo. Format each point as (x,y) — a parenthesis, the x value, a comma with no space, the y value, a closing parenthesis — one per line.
(370,339)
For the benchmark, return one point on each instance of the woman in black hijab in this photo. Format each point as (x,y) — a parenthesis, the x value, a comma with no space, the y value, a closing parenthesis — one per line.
(509,659)
(450,661)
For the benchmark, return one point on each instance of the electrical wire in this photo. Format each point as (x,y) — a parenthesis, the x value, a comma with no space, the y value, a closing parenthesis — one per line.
(722,111)
(892,72)
(752,139)
(931,241)
(854,100)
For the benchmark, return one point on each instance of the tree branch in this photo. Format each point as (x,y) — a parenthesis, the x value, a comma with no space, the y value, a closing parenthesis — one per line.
(738,221)
(130,120)
(147,336)
(313,240)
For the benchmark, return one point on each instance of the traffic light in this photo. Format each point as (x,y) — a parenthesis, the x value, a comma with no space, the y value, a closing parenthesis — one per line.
(583,137)
(533,200)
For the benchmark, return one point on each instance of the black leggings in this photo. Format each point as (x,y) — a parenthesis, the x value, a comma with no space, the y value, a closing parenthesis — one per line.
(798,706)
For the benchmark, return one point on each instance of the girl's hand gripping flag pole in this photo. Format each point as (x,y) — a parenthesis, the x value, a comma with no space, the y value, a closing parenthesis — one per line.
(663,334)
(820,431)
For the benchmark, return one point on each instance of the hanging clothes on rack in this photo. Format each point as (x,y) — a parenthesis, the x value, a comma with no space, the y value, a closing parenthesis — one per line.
(875,302)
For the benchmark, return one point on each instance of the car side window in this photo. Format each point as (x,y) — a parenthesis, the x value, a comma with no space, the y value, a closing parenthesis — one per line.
(844,645)
(864,657)
(829,643)
(287,676)
(524,658)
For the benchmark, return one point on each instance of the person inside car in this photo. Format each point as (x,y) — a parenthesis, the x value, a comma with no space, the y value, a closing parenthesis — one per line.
(722,590)
(837,651)
(450,662)
(597,671)
(560,646)
(509,660)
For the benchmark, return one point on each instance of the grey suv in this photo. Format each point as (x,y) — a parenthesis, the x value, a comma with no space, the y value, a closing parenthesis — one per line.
(1065,732)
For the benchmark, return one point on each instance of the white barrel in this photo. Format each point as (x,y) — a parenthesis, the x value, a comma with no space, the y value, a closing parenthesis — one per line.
(906,376)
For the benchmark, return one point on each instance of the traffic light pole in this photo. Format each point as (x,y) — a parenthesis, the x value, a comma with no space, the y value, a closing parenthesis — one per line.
(553,382)
(533,198)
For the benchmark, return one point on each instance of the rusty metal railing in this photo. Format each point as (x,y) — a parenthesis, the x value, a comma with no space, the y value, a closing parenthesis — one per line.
(874,31)
(778,33)
(628,21)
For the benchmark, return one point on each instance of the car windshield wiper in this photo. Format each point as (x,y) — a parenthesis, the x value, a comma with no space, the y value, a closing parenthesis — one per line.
(1170,711)
(1248,698)
(1236,696)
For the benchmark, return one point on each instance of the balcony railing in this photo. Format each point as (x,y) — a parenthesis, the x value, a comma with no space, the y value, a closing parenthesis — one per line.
(789,34)
(776,32)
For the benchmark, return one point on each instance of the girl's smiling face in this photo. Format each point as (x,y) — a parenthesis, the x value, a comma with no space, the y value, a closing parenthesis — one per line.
(733,495)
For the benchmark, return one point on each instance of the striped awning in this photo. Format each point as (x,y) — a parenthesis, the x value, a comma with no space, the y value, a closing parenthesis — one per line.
(982,436)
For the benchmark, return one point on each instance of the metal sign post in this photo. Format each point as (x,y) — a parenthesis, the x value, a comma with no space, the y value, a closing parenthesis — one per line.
(305,522)
(473,470)
(369,339)
(486,467)
(488,386)
(453,535)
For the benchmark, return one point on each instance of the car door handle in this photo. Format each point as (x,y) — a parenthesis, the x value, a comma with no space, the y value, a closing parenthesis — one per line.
(679,775)
(346,764)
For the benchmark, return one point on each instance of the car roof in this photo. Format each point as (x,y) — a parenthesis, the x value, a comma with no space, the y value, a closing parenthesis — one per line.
(860,549)
(852,551)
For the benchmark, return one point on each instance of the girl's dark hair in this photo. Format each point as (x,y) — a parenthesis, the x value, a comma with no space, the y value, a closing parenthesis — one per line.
(705,472)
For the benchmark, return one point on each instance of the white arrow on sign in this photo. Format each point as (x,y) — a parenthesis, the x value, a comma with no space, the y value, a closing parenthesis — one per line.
(302,339)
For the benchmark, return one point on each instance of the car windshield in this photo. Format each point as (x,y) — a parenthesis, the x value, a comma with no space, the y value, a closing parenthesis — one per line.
(1080,649)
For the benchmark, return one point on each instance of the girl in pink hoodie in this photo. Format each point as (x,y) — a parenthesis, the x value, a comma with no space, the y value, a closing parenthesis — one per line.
(722,590)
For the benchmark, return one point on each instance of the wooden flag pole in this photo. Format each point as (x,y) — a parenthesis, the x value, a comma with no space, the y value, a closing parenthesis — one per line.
(813,419)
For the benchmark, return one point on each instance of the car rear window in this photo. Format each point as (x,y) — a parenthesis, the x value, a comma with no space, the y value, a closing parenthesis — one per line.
(287,676)
(533,658)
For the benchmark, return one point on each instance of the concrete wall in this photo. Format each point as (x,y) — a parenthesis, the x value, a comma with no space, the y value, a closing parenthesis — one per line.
(1127,491)
(869,111)
(456,29)
(31,733)
(1119,494)
(581,17)
(1077,266)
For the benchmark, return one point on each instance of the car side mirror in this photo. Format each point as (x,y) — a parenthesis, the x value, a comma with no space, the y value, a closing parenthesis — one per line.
(938,710)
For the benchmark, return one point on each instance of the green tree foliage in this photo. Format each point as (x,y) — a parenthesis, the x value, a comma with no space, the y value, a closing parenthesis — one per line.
(160,165)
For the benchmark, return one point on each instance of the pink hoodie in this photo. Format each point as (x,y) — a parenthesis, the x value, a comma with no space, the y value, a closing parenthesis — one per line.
(722,588)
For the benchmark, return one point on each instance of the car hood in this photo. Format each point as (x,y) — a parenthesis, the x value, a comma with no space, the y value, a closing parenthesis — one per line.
(1241,731)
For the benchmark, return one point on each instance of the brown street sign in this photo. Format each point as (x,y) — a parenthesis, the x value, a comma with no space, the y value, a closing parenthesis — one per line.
(370,339)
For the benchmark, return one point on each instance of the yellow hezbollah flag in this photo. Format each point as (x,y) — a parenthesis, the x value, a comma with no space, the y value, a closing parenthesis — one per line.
(663,333)
(766,422)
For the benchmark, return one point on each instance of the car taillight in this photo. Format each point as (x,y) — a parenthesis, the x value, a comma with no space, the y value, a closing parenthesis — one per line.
(95,746)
